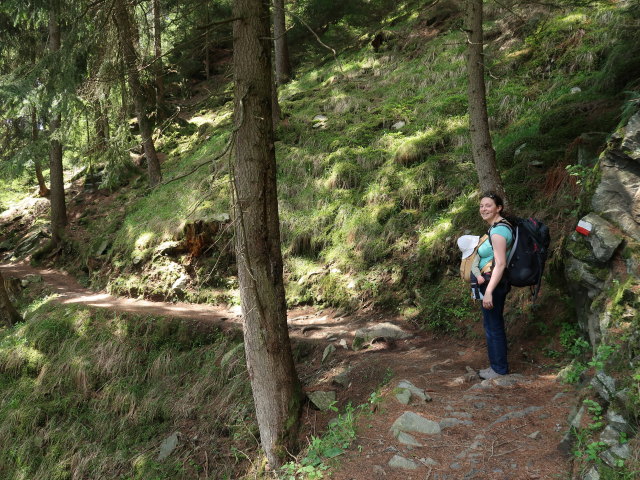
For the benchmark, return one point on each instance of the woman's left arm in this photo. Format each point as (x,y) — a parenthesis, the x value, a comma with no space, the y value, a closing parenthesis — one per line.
(499,244)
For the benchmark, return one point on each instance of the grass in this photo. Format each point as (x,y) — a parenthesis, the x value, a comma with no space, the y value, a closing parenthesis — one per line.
(91,394)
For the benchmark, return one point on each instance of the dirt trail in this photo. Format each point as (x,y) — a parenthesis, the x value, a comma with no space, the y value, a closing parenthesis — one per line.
(505,429)
(70,292)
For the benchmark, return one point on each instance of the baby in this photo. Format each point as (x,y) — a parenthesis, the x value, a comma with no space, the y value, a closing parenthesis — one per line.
(475,270)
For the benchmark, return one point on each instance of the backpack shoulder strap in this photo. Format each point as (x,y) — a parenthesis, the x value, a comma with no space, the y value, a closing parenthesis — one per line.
(501,222)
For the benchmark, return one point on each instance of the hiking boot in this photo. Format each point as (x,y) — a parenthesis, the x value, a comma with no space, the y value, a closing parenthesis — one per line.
(489,374)
(484,371)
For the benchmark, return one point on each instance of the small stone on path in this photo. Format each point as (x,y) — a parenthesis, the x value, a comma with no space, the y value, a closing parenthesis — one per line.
(327,351)
(412,422)
(400,462)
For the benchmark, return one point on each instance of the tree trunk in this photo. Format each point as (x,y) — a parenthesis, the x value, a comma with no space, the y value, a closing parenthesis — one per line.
(56,172)
(10,311)
(101,125)
(276,388)
(43,190)
(158,69)
(276,112)
(484,155)
(128,34)
(283,65)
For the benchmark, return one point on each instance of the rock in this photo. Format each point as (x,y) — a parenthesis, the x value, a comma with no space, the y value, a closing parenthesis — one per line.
(617,421)
(617,197)
(400,462)
(429,462)
(343,343)
(534,435)
(322,400)
(327,351)
(455,466)
(342,378)
(168,445)
(631,141)
(575,417)
(585,274)
(592,474)
(453,422)
(412,422)
(415,391)
(604,239)
(604,385)
(610,436)
(386,330)
(509,380)
(575,90)
(403,395)
(398,125)
(615,453)
(170,248)
(320,118)
(512,415)
(180,283)
(461,415)
(407,439)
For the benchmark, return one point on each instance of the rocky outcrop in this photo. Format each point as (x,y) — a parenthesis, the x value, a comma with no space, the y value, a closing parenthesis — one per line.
(617,197)
(603,276)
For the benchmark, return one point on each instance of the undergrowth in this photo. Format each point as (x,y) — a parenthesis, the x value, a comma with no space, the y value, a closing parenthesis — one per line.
(90,394)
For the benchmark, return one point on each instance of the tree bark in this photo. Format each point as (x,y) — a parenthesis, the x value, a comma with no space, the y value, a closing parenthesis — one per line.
(158,68)
(12,314)
(43,190)
(128,35)
(484,155)
(276,388)
(281,48)
(56,172)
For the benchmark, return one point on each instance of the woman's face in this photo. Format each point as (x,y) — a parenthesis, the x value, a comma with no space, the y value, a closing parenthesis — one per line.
(488,209)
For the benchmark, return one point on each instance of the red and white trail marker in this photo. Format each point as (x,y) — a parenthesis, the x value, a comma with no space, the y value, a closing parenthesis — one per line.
(584,227)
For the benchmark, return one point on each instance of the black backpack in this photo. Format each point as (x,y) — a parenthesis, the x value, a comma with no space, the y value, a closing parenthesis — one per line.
(528,255)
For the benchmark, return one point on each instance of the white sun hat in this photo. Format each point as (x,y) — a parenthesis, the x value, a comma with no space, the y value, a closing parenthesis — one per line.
(467,243)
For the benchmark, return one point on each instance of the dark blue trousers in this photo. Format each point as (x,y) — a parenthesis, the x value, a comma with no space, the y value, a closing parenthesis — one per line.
(494,330)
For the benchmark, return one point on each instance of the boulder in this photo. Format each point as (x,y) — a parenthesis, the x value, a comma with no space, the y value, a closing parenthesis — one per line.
(322,400)
(617,197)
(604,239)
(631,141)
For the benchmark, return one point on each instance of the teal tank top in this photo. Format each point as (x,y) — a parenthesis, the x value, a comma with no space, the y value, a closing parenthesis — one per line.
(485,251)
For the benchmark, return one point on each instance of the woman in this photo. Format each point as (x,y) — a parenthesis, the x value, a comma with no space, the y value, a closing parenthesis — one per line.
(495,293)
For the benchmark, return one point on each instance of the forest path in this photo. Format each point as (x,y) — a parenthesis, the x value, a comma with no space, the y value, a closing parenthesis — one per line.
(69,292)
(510,428)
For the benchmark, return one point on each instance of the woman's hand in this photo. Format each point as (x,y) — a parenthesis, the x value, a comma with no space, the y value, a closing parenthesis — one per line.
(487,301)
